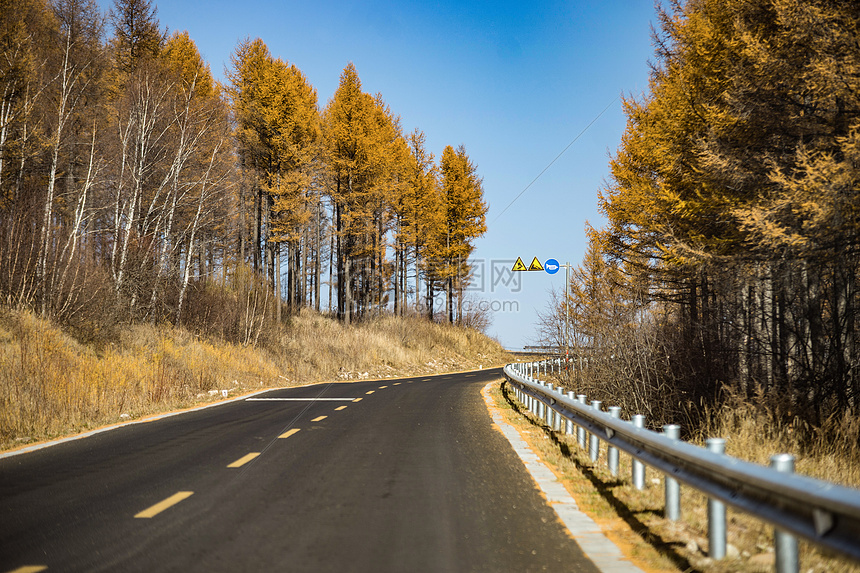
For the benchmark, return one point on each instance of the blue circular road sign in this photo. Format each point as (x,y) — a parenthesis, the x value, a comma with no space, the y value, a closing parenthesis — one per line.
(551,266)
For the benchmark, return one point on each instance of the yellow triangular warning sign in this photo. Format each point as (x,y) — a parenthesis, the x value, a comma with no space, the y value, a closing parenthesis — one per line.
(519,265)
(536,266)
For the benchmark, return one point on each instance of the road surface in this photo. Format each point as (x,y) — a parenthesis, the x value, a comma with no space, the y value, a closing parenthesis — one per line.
(394,475)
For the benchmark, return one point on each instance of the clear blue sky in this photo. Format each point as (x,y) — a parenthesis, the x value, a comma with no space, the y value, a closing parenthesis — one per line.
(514,82)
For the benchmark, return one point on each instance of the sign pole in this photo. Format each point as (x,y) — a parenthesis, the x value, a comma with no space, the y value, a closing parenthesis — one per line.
(567,317)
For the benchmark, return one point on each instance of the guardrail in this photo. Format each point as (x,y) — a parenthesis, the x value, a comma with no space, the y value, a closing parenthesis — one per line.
(824,513)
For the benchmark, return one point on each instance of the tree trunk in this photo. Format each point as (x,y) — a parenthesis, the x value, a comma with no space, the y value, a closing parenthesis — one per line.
(397,274)
(276,248)
(317,257)
(430,298)
(417,281)
(334,248)
(243,215)
(459,292)
(258,227)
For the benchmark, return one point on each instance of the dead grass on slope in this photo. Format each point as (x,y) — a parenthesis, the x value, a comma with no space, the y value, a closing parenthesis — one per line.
(50,385)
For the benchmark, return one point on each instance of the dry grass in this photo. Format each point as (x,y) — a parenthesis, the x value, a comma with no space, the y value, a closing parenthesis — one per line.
(316,348)
(635,518)
(50,385)
(755,430)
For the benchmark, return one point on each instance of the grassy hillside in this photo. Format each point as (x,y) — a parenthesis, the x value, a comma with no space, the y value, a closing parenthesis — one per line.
(51,385)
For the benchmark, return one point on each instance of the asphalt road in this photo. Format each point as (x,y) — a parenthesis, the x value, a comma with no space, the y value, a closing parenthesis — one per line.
(396,475)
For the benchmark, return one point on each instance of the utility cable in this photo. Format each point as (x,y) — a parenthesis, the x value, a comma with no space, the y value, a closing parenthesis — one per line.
(554,160)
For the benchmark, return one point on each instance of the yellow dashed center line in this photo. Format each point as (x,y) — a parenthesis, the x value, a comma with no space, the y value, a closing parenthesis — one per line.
(289,433)
(29,569)
(319,418)
(339,408)
(381,387)
(357,400)
(370,392)
(162,505)
(397,383)
(244,460)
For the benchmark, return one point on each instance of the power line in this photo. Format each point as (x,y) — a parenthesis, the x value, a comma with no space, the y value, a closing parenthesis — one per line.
(554,160)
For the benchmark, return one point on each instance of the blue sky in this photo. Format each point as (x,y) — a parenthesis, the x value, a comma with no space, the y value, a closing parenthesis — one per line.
(515,82)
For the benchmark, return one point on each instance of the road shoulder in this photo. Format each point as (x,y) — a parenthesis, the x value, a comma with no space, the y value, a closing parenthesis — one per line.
(581,527)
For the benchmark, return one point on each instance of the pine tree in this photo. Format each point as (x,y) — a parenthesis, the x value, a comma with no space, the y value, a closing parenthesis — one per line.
(279,129)
(137,37)
(355,147)
(465,221)
(416,210)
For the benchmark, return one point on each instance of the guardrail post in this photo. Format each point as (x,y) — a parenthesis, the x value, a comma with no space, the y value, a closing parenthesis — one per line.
(580,431)
(638,467)
(785,544)
(612,452)
(593,440)
(556,419)
(560,420)
(532,405)
(529,404)
(543,406)
(716,511)
(568,429)
(550,414)
(672,487)
(539,403)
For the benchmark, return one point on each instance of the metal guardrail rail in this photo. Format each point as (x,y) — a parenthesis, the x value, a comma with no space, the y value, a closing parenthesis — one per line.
(824,513)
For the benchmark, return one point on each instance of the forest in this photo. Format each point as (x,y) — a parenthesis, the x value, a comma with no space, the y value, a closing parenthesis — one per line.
(135,187)
(728,262)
